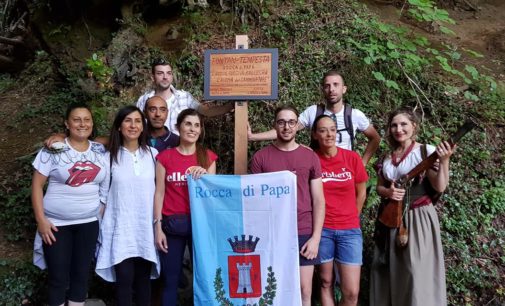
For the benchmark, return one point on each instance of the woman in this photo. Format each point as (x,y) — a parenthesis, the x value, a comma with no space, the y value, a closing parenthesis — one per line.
(344,185)
(67,224)
(172,221)
(127,254)
(413,274)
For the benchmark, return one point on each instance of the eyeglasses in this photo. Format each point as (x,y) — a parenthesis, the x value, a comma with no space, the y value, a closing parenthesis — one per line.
(290,123)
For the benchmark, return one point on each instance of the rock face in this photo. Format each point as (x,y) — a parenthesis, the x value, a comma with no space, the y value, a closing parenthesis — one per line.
(121,54)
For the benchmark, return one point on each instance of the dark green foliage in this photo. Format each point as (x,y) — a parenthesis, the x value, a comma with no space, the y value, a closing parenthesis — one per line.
(16,213)
(21,283)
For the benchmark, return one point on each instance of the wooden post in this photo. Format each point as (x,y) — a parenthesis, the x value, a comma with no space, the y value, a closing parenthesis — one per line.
(241,118)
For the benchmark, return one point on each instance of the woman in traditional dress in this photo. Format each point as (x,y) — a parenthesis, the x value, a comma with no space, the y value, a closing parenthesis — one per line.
(172,220)
(67,223)
(127,254)
(413,274)
(344,184)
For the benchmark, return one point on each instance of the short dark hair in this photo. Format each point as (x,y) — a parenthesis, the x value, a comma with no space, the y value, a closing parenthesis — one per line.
(146,105)
(76,105)
(285,107)
(332,73)
(159,62)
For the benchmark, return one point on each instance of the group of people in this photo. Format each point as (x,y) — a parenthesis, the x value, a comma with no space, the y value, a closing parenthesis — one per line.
(137,185)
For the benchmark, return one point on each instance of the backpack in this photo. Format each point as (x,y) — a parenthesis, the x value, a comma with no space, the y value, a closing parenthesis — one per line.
(347,121)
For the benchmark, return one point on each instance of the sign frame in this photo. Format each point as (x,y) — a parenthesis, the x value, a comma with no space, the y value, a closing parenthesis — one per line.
(273,69)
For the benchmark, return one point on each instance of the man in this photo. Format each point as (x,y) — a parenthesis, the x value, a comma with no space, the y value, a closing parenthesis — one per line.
(334,89)
(159,136)
(177,100)
(285,154)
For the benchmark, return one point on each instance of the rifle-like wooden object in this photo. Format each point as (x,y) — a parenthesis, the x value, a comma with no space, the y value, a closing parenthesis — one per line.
(392,214)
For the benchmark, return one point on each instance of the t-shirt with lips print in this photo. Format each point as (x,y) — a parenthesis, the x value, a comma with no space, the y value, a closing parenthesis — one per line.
(77,182)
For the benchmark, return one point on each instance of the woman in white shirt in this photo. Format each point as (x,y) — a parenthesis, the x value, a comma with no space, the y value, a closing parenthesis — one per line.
(67,224)
(410,273)
(127,254)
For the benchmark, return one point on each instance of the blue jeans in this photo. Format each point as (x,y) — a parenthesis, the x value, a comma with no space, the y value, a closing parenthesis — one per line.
(345,246)
(177,229)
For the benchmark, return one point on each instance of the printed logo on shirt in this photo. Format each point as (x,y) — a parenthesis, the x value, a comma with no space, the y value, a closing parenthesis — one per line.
(342,176)
(176,177)
(82,173)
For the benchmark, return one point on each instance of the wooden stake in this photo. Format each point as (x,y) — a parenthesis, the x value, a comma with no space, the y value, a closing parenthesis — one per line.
(241,118)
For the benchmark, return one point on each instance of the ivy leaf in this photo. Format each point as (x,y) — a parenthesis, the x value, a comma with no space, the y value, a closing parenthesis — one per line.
(392,84)
(378,76)
(473,72)
(471,96)
(473,53)
(384,27)
(394,54)
(446,30)
(391,45)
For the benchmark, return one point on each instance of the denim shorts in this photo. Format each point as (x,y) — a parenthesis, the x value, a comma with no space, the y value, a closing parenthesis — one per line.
(345,246)
(304,261)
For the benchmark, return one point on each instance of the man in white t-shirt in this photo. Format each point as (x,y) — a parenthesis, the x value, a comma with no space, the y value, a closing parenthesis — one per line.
(334,89)
(177,100)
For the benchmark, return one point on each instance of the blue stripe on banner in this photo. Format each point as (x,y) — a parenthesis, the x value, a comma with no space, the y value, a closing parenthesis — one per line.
(217,200)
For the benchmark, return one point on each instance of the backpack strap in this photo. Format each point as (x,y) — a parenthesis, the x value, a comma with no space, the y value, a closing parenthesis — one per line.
(424,151)
(319,110)
(348,123)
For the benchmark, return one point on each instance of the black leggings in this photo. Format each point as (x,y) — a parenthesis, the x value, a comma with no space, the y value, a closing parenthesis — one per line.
(133,273)
(68,261)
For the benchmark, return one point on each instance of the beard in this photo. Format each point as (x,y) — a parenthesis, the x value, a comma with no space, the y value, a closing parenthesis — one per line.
(162,87)
(285,139)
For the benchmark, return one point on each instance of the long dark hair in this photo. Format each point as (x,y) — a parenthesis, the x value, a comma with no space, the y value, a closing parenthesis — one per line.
(116,138)
(76,105)
(314,144)
(201,151)
(411,115)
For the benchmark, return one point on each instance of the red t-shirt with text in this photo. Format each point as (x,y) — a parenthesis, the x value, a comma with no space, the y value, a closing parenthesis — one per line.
(176,199)
(340,175)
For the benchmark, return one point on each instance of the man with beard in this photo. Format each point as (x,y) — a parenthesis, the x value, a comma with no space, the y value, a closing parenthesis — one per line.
(285,154)
(177,100)
(349,120)
(160,137)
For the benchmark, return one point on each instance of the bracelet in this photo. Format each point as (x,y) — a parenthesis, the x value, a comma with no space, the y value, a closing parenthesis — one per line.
(156,221)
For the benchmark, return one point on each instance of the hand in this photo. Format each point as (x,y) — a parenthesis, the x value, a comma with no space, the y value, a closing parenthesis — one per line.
(160,239)
(52,139)
(197,172)
(45,229)
(102,209)
(396,194)
(310,248)
(444,151)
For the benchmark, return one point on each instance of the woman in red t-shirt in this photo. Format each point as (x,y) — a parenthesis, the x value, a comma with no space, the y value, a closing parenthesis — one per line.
(172,220)
(344,184)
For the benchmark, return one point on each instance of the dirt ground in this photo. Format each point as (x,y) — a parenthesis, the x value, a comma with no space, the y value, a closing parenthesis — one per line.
(482,31)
